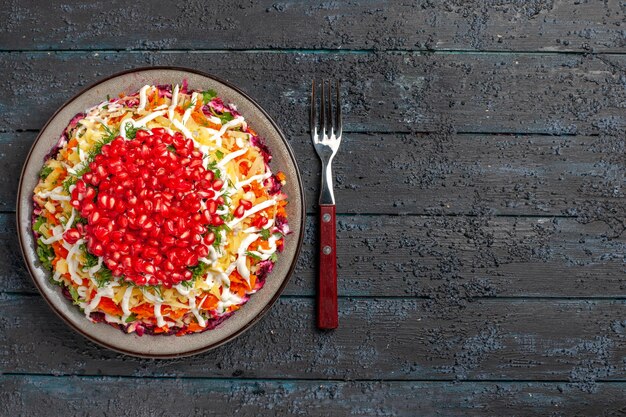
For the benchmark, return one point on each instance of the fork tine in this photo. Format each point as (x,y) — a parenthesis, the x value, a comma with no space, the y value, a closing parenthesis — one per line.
(313,116)
(322,111)
(329,115)
(338,122)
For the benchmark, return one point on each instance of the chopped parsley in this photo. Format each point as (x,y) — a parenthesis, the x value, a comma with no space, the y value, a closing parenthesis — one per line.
(69,181)
(45,171)
(199,271)
(90,260)
(131,318)
(253,255)
(265,234)
(131,131)
(191,104)
(208,95)
(110,134)
(188,284)
(273,257)
(74,294)
(219,154)
(45,253)
(226,117)
(103,276)
(40,220)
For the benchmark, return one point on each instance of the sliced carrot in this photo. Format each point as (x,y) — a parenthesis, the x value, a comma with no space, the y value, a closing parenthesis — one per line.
(281,176)
(210,303)
(51,218)
(174,314)
(59,250)
(252,281)
(108,306)
(162,329)
(143,311)
(72,143)
(194,327)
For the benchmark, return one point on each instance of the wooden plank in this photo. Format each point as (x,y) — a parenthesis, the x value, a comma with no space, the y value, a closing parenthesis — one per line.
(460,258)
(478,25)
(386,92)
(440,173)
(103,396)
(398,339)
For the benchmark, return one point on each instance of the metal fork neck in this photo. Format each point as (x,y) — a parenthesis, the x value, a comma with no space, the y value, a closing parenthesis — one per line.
(327,195)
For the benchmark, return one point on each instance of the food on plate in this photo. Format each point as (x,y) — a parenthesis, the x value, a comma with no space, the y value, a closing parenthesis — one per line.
(158,212)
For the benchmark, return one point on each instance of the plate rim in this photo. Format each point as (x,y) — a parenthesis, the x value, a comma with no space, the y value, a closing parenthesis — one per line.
(268,305)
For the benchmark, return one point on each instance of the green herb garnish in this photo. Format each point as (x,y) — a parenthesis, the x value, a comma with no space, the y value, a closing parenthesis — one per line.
(45,253)
(253,255)
(208,95)
(265,234)
(40,220)
(74,294)
(273,257)
(199,271)
(45,171)
(131,130)
(191,103)
(95,150)
(103,276)
(131,318)
(219,154)
(90,260)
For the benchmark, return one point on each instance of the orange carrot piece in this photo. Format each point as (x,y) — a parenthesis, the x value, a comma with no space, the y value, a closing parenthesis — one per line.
(108,306)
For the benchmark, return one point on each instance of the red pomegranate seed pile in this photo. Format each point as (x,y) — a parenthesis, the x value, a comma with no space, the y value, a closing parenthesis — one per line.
(143,201)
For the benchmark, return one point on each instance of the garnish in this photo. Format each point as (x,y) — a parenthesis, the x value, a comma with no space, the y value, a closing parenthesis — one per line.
(45,171)
(45,253)
(208,95)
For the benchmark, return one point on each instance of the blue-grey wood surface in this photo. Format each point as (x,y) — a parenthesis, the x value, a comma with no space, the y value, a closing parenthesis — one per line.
(480,188)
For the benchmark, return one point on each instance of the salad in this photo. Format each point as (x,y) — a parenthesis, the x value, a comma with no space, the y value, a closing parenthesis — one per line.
(158,213)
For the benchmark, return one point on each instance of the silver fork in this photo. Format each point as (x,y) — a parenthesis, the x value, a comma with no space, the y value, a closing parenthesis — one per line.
(326,136)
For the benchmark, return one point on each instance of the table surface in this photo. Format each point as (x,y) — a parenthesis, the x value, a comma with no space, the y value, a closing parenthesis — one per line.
(480,198)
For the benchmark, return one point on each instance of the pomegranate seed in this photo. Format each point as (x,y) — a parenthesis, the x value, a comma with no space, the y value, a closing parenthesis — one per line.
(209,238)
(246,204)
(71,236)
(218,184)
(145,217)
(239,211)
(202,251)
(97,249)
(94,217)
(211,206)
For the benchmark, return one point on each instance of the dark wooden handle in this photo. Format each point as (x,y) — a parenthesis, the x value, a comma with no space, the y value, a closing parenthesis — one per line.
(327,314)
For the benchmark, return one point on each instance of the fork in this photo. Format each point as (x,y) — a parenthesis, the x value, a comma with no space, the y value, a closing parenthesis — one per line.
(326,136)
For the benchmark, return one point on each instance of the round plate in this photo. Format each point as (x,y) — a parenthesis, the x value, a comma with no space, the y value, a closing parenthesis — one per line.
(259,303)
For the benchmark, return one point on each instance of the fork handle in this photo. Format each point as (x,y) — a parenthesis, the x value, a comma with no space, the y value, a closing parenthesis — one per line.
(327,314)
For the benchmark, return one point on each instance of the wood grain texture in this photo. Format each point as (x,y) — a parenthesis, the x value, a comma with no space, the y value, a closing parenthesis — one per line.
(383,92)
(104,396)
(581,342)
(541,25)
(453,258)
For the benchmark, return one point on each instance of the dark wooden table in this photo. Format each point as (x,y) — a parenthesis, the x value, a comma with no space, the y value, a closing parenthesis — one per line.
(480,189)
